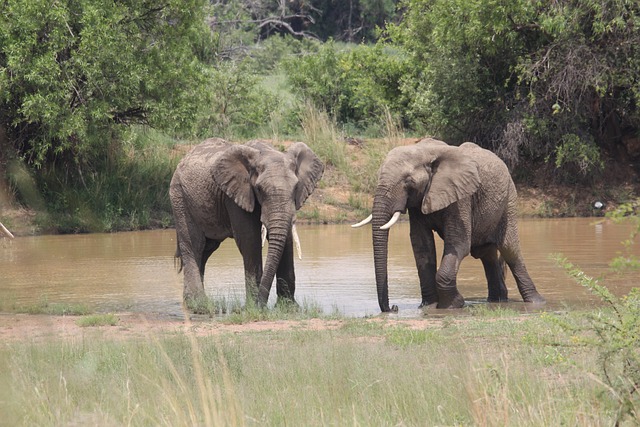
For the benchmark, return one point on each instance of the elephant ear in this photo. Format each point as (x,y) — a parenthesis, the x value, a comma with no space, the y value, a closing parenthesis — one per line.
(232,172)
(454,177)
(309,170)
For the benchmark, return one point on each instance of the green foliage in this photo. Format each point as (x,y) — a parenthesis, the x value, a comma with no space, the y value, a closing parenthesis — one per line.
(354,85)
(523,78)
(240,106)
(583,154)
(127,190)
(71,72)
(615,332)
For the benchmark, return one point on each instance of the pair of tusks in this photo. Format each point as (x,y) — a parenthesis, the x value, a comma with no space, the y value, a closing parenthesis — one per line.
(5,231)
(387,226)
(294,232)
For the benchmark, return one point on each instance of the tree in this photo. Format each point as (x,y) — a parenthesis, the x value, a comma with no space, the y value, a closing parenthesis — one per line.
(73,72)
(555,80)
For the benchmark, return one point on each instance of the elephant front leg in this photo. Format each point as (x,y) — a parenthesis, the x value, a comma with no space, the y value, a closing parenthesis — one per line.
(424,252)
(285,275)
(448,295)
(250,248)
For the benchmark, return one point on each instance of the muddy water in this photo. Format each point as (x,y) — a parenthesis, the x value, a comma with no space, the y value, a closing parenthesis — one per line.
(135,271)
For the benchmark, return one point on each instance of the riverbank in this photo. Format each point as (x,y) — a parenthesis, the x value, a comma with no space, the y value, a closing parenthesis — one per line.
(345,191)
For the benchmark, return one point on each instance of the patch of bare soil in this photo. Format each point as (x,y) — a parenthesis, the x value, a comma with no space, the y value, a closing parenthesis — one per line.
(39,328)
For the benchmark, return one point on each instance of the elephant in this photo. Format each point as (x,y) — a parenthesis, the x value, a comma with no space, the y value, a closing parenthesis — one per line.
(467,196)
(221,190)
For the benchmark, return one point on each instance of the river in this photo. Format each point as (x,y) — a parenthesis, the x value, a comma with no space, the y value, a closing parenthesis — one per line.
(135,271)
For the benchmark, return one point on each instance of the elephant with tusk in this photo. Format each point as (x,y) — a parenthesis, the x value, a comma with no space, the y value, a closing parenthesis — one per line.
(247,192)
(467,196)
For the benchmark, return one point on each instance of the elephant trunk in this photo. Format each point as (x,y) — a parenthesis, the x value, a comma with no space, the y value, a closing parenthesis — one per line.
(383,209)
(279,227)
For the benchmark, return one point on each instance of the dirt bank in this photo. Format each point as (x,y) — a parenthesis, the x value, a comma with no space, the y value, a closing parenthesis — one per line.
(37,328)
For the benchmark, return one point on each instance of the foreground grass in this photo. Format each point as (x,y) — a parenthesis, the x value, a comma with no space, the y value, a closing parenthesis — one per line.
(483,370)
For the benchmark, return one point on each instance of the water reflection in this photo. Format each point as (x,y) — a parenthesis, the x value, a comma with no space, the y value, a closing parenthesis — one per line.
(136,271)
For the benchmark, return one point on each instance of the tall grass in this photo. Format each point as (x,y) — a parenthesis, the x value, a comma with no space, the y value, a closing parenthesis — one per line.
(323,137)
(126,189)
(369,372)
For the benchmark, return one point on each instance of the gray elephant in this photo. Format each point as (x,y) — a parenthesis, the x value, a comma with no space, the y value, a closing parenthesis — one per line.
(221,190)
(467,196)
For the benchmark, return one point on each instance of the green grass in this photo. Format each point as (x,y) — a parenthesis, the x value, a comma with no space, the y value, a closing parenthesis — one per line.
(474,371)
(98,320)
(46,307)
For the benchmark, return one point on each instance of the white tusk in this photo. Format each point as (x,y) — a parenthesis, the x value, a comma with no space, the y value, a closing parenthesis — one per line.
(263,234)
(296,240)
(365,221)
(5,231)
(392,221)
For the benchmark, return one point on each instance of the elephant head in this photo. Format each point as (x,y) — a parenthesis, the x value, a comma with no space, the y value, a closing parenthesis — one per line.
(255,175)
(429,175)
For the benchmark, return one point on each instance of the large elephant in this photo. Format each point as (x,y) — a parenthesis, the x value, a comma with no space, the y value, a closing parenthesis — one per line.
(467,196)
(221,190)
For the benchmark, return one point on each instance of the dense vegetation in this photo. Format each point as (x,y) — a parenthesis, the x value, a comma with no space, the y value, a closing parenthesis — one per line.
(95,96)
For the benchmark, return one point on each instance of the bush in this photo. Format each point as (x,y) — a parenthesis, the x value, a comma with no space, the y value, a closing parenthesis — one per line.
(353,85)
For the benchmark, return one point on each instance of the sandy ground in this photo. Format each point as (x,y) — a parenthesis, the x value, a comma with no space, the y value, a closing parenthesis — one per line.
(37,328)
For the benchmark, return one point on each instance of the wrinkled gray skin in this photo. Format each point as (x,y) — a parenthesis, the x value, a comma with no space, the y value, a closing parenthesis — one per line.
(220,190)
(466,195)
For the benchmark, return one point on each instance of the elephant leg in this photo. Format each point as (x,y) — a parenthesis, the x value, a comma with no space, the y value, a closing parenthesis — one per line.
(424,252)
(510,251)
(448,295)
(210,247)
(246,232)
(494,269)
(285,275)
(191,252)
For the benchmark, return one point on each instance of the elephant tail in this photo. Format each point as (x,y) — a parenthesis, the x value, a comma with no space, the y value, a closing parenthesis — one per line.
(177,261)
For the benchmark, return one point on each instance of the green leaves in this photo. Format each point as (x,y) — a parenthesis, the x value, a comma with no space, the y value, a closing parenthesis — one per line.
(72,66)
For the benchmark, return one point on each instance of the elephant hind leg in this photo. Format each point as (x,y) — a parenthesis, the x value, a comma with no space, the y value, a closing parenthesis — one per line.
(494,270)
(510,251)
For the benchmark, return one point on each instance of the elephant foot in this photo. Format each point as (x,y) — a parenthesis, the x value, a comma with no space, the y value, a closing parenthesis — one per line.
(456,302)
(535,298)
(497,299)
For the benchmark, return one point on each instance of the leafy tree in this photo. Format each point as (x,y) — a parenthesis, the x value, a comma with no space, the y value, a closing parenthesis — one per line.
(73,72)
(354,85)
(550,80)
